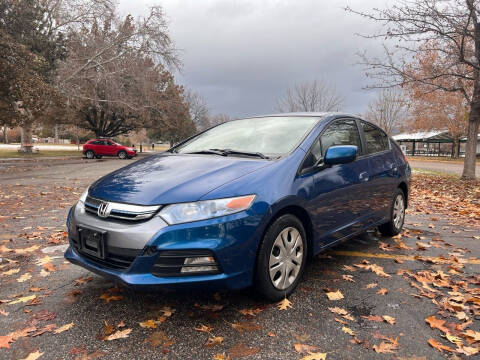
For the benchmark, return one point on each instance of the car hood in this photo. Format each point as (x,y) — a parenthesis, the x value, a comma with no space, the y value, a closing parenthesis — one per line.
(172,178)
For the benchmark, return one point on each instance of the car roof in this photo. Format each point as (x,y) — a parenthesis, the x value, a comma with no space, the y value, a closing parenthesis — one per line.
(322,115)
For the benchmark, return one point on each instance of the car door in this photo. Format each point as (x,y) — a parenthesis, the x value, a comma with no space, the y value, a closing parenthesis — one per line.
(382,169)
(110,147)
(337,203)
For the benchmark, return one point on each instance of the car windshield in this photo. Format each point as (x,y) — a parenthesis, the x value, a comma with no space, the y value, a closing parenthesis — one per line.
(269,136)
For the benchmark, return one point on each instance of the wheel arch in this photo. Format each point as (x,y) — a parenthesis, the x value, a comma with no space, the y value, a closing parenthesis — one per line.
(299,212)
(404,187)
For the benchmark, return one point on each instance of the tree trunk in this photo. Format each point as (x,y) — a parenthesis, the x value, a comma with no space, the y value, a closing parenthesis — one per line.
(455,154)
(27,138)
(5,135)
(472,139)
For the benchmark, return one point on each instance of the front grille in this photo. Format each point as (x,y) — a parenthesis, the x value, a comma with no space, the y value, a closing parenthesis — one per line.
(115,258)
(121,211)
(170,263)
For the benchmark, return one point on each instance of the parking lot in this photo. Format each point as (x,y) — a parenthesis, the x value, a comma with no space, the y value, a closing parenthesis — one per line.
(415,296)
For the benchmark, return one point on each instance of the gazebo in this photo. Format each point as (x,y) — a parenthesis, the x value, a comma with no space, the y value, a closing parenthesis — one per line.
(427,143)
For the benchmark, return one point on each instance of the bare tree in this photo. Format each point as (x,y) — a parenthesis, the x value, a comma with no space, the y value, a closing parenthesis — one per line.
(310,96)
(198,109)
(388,110)
(450,28)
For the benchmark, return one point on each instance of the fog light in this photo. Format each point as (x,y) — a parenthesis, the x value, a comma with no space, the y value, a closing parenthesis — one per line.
(199,264)
(192,269)
(199,260)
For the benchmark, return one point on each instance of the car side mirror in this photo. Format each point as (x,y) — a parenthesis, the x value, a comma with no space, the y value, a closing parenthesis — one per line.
(341,154)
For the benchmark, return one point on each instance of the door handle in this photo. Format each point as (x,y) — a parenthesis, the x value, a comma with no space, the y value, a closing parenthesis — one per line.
(364,176)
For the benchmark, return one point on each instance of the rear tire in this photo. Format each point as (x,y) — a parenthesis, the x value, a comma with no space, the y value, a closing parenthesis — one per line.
(122,155)
(397,215)
(281,258)
(89,154)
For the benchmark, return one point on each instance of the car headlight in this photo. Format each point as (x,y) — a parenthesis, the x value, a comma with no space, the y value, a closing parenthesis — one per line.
(205,209)
(81,202)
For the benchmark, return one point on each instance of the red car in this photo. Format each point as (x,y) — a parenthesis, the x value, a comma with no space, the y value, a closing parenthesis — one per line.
(105,147)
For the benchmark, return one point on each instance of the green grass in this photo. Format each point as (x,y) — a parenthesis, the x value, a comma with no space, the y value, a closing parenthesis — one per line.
(43,153)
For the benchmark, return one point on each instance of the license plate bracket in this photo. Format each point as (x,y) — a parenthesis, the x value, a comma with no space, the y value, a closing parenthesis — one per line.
(92,241)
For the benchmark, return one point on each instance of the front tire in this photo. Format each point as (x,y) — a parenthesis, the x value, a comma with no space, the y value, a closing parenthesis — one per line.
(281,258)
(122,155)
(397,215)
(89,154)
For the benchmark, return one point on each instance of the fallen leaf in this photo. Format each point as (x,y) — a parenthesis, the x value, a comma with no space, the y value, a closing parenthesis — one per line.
(213,341)
(348,331)
(120,334)
(150,324)
(245,326)
(385,347)
(438,346)
(348,278)
(284,304)
(64,328)
(24,277)
(315,356)
(382,291)
(376,318)
(371,285)
(11,271)
(22,299)
(221,356)
(389,319)
(303,348)
(204,328)
(334,295)
(107,297)
(240,350)
(33,356)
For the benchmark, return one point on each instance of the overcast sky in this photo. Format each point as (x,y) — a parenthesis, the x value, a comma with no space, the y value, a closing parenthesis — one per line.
(241,55)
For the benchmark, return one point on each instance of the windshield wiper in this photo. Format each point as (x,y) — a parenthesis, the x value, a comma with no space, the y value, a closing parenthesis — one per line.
(210,151)
(226,152)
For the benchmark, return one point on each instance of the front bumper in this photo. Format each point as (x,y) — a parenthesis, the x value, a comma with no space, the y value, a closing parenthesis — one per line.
(232,240)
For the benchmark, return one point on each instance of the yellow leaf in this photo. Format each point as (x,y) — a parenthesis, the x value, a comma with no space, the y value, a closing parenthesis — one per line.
(339,311)
(150,324)
(348,331)
(63,328)
(24,277)
(33,356)
(215,340)
(22,299)
(167,311)
(315,356)
(11,271)
(389,319)
(107,297)
(204,328)
(120,334)
(284,304)
(303,348)
(335,295)
(382,291)
(371,285)
(221,356)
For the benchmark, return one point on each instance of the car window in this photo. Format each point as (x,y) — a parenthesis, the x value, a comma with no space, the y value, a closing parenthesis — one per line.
(314,155)
(275,135)
(343,132)
(375,138)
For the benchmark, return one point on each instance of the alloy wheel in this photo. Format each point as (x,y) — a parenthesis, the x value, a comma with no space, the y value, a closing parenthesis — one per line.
(286,258)
(398,211)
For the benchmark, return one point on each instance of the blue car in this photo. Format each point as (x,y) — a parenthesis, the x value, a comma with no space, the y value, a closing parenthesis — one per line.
(244,203)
